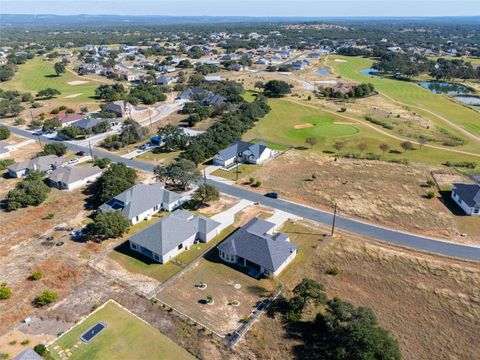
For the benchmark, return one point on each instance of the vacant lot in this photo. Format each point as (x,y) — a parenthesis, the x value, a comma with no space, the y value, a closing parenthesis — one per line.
(430,304)
(379,192)
(125,337)
(183,294)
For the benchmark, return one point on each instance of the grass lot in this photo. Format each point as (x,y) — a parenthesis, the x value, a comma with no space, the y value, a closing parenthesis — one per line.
(125,337)
(279,127)
(249,96)
(220,278)
(158,158)
(243,171)
(38,74)
(137,263)
(409,93)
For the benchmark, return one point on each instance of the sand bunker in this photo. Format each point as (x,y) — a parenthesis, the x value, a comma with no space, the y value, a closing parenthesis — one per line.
(304,126)
(73,96)
(340,60)
(329,82)
(77,82)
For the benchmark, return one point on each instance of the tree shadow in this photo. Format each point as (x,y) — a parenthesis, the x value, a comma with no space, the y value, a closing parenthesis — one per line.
(52,76)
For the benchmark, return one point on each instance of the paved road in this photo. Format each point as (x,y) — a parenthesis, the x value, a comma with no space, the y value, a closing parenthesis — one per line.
(467,252)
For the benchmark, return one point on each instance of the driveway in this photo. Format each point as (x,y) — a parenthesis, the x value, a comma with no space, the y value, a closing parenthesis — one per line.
(227,217)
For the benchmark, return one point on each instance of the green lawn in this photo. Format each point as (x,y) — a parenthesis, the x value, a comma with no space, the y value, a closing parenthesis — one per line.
(125,337)
(137,263)
(321,127)
(409,93)
(243,171)
(38,74)
(158,158)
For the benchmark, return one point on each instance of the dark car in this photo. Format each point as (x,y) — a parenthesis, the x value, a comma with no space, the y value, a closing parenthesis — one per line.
(272,195)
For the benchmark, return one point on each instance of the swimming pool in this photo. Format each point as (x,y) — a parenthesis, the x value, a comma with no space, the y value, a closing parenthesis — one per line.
(92,332)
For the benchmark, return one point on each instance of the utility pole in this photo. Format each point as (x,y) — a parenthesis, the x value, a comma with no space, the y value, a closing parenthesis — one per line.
(334,218)
(39,141)
(204,176)
(150,114)
(237,169)
(90,147)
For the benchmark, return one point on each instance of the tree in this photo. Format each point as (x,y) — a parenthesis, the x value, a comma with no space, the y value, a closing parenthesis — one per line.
(5,291)
(180,172)
(84,109)
(114,181)
(276,88)
(384,148)
(102,163)
(311,141)
(422,141)
(31,191)
(107,225)
(101,127)
(4,132)
(59,68)
(132,132)
(259,85)
(51,124)
(45,298)
(362,147)
(48,93)
(205,193)
(174,138)
(308,290)
(41,350)
(406,145)
(56,148)
(339,145)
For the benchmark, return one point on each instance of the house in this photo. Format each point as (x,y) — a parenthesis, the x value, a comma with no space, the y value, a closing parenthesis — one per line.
(242,152)
(257,247)
(68,178)
(141,201)
(28,354)
(121,108)
(42,163)
(467,196)
(300,65)
(212,78)
(262,61)
(204,96)
(171,235)
(69,119)
(165,80)
(231,57)
(238,67)
(88,123)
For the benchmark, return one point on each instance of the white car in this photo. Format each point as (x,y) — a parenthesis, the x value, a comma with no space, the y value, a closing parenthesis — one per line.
(72,161)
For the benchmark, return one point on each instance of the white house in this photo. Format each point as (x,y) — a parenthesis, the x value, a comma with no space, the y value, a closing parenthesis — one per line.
(142,201)
(242,152)
(171,235)
(42,163)
(68,178)
(467,196)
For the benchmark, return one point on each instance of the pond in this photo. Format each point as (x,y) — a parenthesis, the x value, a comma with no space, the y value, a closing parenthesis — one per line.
(469,100)
(369,71)
(442,87)
(323,72)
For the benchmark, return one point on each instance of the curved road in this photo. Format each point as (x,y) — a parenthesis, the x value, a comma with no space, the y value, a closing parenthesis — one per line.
(436,246)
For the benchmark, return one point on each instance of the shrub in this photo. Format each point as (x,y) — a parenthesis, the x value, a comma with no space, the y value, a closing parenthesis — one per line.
(4,132)
(50,215)
(41,350)
(45,298)
(430,182)
(6,163)
(19,121)
(257,183)
(102,163)
(5,291)
(55,111)
(25,342)
(36,275)
(13,342)
(70,111)
(335,270)
(430,195)
(251,180)
(57,148)
(465,164)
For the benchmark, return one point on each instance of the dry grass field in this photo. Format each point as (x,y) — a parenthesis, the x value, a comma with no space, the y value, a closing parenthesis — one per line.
(430,304)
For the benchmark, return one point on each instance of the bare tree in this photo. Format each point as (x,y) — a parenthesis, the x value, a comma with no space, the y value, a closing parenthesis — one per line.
(339,145)
(311,141)
(406,145)
(384,148)
(362,147)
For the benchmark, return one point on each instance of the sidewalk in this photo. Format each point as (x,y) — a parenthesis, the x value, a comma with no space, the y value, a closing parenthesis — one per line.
(227,217)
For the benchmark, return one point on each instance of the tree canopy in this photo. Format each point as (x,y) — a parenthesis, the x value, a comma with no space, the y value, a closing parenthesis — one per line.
(179,173)
(115,180)
(107,225)
(32,191)
(276,88)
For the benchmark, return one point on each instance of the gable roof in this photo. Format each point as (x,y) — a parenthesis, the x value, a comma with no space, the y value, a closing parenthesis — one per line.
(252,242)
(239,147)
(28,354)
(140,198)
(41,163)
(469,193)
(67,118)
(172,230)
(69,175)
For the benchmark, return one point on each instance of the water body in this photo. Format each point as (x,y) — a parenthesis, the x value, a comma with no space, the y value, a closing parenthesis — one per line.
(469,100)
(442,87)
(323,72)
(369,71)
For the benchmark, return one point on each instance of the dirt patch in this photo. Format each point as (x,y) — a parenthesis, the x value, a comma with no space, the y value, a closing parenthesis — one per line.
(413,296)
(304,126)
(384,193)
(218,206)
(77,82)
(10,343)
(340,60)
(73,96)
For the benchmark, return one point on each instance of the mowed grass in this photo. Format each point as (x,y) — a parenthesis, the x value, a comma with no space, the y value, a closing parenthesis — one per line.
(409,93)
(318,126)
(37,74)
(125,337)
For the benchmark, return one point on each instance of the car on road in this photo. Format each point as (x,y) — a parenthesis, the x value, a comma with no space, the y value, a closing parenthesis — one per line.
(72,161)
(38,133)
(272,195)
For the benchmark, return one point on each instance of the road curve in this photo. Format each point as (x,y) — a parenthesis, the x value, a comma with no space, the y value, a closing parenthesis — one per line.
(436,246)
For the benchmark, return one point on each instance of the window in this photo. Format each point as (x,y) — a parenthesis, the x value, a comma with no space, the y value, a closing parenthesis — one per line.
(134,246)
(155,256)
(180,246)
(136,218)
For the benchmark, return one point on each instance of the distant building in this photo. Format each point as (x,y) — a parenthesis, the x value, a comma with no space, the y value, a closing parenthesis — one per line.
(242,152)
(467,196)
(42,163)
(68,178)
(165,80)
(121,108)
(69,119)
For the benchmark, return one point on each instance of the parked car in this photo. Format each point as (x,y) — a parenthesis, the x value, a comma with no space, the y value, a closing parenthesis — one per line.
(81,153)
(272,195)
(72,161)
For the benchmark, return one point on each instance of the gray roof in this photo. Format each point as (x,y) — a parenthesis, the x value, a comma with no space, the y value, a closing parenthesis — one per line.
(118,106)
(469,193)
(140,198)
(203,95)
(27,354)
(252,242)
(172,230)
(68,175)
(42,163)
(239,147)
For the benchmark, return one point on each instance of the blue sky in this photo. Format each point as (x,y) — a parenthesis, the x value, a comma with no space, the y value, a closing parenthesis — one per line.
(316,8)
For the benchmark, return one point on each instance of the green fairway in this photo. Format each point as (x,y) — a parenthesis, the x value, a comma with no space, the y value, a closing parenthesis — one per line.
(125,337)
(38,74)
(409,93)
(321,127)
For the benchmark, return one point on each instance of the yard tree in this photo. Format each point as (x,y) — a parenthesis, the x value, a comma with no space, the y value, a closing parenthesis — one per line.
(4,132)
(362,147)
(31,191)
(307,291)
(312,141)
(101,127)
(174,137)
(114,181)
(102,163)
(339,145)
(276,88)
(56,148)
(180,173)
(206,193)
(59,68)
(110,92)
(48,93)
(45,298)
(406,145)
(5,291)
(51,124)
(384,148)
(107,225)
(132,132)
